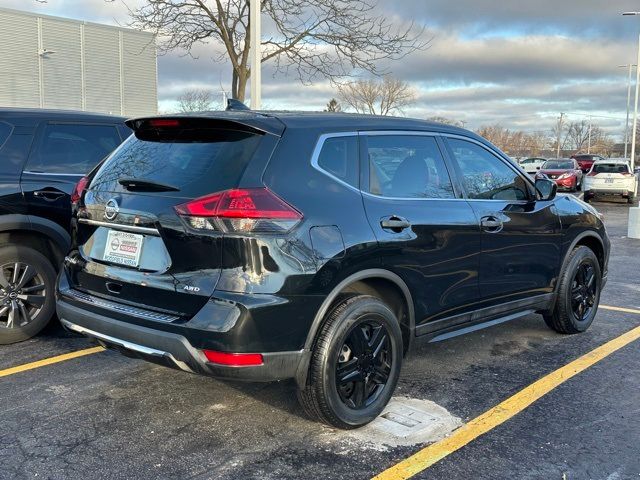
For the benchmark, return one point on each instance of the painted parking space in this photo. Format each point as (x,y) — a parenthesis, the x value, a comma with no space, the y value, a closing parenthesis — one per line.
(106,416)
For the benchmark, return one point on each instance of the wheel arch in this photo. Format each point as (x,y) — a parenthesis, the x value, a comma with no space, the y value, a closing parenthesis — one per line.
(591,240)
(36,232)
(381,283)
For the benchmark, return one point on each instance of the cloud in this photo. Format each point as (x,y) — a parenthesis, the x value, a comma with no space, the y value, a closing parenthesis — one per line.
(515,63)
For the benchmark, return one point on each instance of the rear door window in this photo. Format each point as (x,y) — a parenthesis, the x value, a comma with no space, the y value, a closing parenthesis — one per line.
(407,166)
(72,148)
(196,162)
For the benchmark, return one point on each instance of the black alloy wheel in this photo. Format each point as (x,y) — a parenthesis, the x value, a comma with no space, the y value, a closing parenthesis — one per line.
(364,364)
(583,292)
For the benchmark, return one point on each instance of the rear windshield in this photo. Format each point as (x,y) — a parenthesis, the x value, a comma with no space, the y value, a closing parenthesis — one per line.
(610,168)
(555,165)
(195,162)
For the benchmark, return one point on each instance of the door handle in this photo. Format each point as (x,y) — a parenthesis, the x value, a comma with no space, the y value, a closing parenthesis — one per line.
(49,195)
(394,223)
(491,224)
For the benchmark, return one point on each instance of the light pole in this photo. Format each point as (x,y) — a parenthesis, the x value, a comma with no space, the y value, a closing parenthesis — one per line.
(635,105)
(626,125)
(256,54)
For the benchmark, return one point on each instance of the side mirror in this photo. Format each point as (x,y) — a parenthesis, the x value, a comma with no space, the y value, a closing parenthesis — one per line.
(546,188)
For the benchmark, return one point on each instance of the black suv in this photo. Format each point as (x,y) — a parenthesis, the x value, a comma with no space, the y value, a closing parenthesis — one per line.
(319,247)
(43,154)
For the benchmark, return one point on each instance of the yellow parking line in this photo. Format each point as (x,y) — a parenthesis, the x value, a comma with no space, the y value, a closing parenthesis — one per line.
(504,411)
(49,361)
(620,309)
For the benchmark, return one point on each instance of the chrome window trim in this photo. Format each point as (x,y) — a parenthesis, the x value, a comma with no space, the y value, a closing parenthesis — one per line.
(119,226)
(515,169)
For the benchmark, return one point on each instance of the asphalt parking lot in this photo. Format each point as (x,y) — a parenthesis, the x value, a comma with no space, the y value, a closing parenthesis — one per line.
(103,415)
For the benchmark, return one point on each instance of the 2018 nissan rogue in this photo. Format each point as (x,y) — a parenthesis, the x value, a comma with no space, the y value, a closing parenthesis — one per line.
(319,247)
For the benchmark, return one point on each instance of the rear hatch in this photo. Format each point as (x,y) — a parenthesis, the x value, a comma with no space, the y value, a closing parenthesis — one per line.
(611,175)
(134,246)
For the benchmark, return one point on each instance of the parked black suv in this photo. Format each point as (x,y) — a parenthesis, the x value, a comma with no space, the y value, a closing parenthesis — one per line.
(43,153)
(319,247)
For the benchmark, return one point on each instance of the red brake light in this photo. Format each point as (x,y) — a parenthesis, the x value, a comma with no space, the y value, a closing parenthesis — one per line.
(248,210)
(164,122)
(79,189)
(627,174)
(592,174)
(234,359)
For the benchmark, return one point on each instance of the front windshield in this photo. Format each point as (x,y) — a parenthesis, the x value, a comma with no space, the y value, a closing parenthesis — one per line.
(557,165)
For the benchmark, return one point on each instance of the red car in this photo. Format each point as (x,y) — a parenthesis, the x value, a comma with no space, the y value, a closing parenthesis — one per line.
(586,160)
(565,171)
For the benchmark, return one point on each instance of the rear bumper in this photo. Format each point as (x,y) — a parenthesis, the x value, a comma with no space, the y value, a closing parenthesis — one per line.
(603,190)
(170,349)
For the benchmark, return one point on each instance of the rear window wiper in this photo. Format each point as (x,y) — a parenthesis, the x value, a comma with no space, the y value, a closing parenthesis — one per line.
(142,185)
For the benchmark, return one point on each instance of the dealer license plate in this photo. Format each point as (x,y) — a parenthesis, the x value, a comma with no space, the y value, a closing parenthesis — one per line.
(123,248)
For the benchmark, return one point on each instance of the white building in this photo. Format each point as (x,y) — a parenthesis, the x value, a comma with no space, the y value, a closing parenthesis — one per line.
(53,62)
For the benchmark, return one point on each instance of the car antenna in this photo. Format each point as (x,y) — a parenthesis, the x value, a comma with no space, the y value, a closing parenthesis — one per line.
(236,105)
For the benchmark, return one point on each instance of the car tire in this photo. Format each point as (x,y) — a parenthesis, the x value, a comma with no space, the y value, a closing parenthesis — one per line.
(26,305)
(360,340)
(578,293)
(631,199)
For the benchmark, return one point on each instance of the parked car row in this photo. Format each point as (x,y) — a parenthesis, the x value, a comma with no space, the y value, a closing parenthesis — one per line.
(597,175)
(314,247)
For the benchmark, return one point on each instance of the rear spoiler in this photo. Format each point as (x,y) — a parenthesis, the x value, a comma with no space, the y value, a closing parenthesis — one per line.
(249,122)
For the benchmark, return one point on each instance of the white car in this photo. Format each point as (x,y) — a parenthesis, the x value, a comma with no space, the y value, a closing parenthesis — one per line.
(611,177)
(532,165)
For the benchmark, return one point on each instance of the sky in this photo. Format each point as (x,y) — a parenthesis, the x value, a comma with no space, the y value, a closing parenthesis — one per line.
(514,63)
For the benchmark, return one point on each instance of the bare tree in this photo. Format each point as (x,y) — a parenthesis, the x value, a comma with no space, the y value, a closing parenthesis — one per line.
(195,101)
(319,39)
(514,142)
(377,97)
(333,106)
(578,134)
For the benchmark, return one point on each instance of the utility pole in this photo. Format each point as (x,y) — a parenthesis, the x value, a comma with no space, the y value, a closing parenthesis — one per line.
(559,133)
(255,54)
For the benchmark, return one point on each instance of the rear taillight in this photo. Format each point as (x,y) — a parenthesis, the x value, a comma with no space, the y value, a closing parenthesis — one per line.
(627,174)
(79,190)
(247,210)
(233,359)
(592,174)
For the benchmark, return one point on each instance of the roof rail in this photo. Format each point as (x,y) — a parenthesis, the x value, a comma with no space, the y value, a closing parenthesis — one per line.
(236,105)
